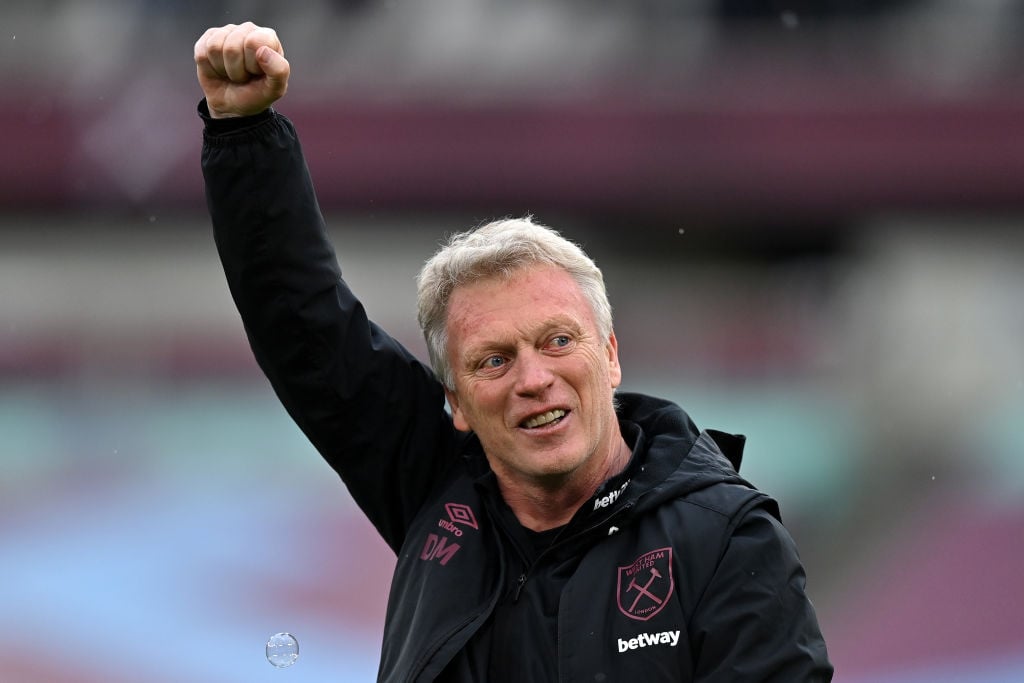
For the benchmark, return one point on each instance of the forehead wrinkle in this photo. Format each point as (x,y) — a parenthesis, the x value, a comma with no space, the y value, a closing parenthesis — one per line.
(517,335)
(470,310)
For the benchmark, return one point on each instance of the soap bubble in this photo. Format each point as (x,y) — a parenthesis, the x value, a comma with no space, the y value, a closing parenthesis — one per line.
(282,650)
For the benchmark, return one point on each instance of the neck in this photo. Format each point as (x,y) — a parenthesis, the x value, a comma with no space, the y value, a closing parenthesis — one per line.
(542,504)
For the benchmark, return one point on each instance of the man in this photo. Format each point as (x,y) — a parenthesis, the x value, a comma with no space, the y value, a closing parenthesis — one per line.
(546,528)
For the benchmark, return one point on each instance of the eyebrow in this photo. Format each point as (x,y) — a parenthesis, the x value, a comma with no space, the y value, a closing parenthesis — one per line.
(476,352)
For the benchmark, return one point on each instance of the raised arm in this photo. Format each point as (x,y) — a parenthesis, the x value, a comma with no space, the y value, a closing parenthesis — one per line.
(373,410)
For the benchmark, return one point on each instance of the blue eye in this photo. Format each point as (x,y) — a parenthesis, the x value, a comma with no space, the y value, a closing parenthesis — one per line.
(494,362)
(561,341)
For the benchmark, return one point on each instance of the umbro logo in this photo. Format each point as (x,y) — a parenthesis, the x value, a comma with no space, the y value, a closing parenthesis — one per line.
(461,514)
(458,514)
(441,548)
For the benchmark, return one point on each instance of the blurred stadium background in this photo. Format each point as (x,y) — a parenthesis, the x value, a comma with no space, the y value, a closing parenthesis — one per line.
(809,217)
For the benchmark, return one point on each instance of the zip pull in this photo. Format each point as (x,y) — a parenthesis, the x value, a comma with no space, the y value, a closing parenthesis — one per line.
(520,582)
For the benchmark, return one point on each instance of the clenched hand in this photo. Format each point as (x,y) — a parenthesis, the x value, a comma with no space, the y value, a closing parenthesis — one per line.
(241,69)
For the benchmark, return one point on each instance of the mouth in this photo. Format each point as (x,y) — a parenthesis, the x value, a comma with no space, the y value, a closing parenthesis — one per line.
(544,419)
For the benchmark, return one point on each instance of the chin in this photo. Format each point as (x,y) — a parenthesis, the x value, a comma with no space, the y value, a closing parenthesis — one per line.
(559,468)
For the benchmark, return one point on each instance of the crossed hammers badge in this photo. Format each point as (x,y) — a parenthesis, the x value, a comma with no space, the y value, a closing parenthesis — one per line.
(646,584)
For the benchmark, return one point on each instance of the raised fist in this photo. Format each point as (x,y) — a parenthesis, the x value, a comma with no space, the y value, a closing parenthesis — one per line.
(241,69)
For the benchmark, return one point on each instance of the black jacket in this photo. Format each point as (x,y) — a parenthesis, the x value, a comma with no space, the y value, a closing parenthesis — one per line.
(677,570)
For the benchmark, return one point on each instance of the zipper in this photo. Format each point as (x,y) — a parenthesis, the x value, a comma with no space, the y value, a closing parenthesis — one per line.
(521,581)
(434,648)
(626,507)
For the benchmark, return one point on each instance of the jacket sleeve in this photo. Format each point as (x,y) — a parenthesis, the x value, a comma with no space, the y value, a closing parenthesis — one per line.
(755,622)
(370,407)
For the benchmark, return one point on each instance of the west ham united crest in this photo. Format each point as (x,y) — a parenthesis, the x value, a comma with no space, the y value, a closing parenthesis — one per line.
(646,584)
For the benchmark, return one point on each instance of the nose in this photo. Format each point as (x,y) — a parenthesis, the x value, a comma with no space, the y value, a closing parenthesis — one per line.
(533,373)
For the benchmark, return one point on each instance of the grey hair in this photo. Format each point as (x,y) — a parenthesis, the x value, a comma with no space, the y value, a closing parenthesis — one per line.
(498,249)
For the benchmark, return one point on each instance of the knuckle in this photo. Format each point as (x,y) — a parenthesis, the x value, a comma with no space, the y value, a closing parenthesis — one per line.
(261,36)
(215,36)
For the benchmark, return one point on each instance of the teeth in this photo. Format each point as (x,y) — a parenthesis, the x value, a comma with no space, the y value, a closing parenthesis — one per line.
(544,419)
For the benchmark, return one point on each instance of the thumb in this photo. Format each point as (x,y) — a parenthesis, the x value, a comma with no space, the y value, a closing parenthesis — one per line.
(273,63)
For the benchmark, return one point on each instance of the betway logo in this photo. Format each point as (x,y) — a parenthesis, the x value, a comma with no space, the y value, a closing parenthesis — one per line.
(605,501)
(645,639)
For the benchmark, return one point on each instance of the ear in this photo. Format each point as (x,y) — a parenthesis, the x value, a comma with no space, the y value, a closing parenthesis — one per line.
(614,369)
(458,417)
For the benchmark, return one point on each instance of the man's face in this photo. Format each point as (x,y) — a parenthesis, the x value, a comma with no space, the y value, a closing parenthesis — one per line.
(533,378)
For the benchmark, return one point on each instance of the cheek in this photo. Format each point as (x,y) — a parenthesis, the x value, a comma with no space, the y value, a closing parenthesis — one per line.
(473,408)
(604,371)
